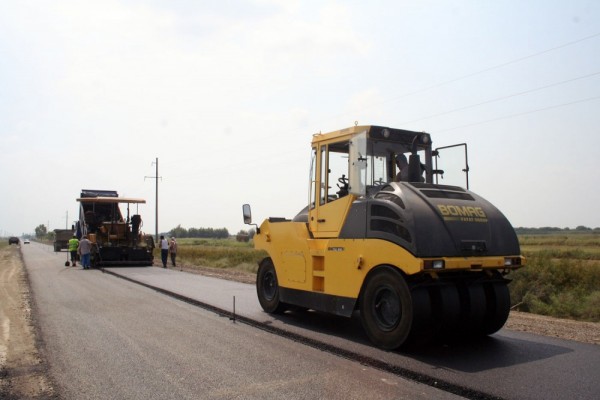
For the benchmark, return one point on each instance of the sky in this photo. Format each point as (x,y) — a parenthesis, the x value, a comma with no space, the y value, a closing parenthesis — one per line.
(226,95)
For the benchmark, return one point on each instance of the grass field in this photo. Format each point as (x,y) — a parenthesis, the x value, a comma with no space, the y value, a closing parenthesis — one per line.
(219,253)
(562,276)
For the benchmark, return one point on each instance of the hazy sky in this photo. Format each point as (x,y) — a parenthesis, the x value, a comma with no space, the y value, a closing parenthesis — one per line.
(227,95)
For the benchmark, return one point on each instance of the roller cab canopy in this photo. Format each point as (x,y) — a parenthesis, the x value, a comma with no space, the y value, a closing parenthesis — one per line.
(111,200)
(99,206)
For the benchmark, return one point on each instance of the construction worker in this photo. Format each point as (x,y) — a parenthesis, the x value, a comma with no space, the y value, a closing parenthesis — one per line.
(73,245)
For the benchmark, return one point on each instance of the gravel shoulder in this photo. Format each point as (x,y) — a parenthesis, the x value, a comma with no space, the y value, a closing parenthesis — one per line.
(585,332)
(23,372)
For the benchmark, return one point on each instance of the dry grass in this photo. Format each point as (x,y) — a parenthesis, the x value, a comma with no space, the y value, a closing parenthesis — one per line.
(219,253)
(562,276)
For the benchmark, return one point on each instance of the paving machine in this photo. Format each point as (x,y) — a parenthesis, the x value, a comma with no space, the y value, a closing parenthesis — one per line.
(116,240)
(380,236)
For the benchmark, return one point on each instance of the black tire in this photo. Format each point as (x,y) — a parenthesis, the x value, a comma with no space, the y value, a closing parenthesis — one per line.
(386,309)
(446,311)
(267,288)
(423,327)
(498,307)
(472,309)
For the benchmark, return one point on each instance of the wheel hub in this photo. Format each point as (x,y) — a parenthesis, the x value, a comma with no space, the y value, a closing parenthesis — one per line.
(269,286)
(387,309)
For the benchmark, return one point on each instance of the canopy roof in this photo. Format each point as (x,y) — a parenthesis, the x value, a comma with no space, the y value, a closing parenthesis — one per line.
(113,200)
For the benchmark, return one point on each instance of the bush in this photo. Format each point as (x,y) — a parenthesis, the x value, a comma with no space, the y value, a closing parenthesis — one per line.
(559,287)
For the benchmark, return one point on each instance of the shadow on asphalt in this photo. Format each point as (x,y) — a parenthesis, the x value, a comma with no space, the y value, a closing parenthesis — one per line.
(468,355)
(486,353)
(332,325)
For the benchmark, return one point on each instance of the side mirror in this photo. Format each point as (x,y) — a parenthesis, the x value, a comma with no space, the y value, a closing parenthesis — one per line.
(248,217)
(247,214)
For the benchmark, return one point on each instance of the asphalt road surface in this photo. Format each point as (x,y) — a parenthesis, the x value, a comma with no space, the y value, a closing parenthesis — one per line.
(109,337)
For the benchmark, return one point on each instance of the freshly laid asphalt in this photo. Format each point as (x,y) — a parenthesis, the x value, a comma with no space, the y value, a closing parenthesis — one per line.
(509,365)
(102,337)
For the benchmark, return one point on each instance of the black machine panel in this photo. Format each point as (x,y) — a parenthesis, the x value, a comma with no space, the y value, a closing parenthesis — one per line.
(432,221)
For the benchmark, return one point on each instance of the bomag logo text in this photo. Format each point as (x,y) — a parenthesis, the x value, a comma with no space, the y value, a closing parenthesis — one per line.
(462,213)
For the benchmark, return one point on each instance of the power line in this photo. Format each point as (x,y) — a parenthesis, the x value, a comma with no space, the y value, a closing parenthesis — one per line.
(501,98)
(469,75)
(520,114)
(516,60)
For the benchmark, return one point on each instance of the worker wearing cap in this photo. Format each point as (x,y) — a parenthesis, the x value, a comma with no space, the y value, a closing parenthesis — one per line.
(73,245)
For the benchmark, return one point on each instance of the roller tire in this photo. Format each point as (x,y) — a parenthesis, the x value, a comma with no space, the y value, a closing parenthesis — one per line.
(446,311)
(472,309)
(386,309)
(267,288)
(423,328)
(498,307)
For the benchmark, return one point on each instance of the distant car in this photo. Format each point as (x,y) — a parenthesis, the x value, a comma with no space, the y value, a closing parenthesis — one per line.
(13,240)
(26,241)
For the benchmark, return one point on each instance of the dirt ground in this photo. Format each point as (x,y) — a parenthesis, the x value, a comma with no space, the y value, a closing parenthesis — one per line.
(24,373)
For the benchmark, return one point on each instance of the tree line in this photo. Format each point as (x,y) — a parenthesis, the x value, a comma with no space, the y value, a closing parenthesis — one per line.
(212,233)
(553,229)
(41,232)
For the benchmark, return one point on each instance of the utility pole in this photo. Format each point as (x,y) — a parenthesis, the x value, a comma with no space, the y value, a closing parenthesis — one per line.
(156,200)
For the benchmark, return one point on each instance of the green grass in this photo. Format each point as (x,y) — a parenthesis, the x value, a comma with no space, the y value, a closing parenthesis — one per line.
(561,239)
(561,278)
(219,253)
(562,252)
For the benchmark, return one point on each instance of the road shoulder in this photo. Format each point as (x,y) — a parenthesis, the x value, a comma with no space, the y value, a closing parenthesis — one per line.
(23,372)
